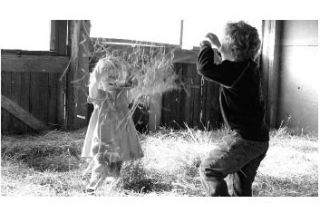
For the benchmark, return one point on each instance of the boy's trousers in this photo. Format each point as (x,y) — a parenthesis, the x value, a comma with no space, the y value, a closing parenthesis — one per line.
(231,166)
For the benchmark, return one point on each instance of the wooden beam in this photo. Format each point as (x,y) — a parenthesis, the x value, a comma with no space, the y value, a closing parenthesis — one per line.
(185,56)
(180,55)
(22,114)
(27,52)
(58,41)
(33,63)
(181,33)
(115,41)
(78,50)
(58,44)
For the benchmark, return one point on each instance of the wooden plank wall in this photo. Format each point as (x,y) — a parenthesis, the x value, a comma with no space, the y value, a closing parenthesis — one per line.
(30,79)
(196,106)
(34,92)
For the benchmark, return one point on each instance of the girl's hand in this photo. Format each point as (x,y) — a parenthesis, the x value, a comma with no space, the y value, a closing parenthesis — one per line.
(213,39)
(90,100)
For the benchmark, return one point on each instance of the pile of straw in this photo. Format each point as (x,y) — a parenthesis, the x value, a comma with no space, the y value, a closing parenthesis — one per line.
(145,71)
(148,70)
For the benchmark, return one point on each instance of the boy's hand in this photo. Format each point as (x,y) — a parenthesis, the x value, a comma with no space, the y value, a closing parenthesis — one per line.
(205,42)
(217,58)
(214,39)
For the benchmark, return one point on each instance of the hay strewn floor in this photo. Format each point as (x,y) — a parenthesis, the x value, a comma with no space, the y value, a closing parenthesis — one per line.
(48,165)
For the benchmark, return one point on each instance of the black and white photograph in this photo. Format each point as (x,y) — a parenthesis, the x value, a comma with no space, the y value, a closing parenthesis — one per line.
(134,105)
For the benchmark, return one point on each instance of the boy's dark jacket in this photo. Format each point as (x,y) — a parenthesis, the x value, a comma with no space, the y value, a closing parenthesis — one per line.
(241,99)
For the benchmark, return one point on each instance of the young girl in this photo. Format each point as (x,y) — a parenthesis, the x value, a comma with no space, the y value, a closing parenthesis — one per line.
(111,136)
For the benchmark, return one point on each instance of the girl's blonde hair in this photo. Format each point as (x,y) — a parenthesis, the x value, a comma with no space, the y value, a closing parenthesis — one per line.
(108,70)
(242,40)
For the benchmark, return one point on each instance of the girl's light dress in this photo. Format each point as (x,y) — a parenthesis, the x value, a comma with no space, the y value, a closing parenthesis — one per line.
(111,132)
(111,125)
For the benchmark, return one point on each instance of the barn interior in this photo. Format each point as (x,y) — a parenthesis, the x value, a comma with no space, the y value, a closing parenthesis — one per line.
(46,90)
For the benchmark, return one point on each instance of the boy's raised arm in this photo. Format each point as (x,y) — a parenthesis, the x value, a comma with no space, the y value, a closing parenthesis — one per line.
(206,65)
(222,73)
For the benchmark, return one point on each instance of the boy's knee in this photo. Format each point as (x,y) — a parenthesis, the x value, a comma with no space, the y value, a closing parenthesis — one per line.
(216,164)
(213,181)
(211,169)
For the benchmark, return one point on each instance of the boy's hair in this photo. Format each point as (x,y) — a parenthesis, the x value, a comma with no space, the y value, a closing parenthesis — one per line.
(243,40)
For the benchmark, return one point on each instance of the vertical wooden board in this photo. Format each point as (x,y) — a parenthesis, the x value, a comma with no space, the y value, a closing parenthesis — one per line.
(179,100)
(76,101)
(80,90)
(172,101)
(58,41)
(25,95)
(170,109)
(188,112)
(176,110)
(182,95)
(6,83)
(164,109)
(52,99)
(196,99)
(43,97)
(5,90)
(208,104)
(81,109)
(17,126)
(4,121)
(35,95)
(61,83)
(25,90)
(199,99)
(189,96)
(4,126)
(73,52)
(204,104)
(59,32)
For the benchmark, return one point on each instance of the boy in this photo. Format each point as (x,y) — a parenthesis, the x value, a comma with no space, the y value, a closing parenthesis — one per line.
(238,155)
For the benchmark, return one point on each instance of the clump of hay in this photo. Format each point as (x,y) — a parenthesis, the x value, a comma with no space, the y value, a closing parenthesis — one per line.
(55,151)
(135,178)
(144,71)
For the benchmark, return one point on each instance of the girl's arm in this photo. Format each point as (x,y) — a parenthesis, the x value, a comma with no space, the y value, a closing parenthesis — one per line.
(93,87)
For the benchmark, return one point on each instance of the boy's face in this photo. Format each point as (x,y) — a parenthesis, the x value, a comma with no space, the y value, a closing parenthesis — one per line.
(225,49)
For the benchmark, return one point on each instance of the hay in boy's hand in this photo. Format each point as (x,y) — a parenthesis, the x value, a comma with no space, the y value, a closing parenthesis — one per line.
(151,72)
